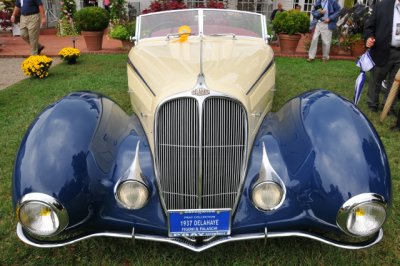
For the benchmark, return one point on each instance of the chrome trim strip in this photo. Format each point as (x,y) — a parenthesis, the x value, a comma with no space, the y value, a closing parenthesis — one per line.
(133,173)
(140,76)
(178,241)
(268,174)
(53,203)
(261,75)
(350,204)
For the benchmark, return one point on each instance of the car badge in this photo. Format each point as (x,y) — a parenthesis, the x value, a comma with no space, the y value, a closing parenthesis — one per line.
(200,91)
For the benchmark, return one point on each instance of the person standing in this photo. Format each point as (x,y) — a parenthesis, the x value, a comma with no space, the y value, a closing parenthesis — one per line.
(279,9)
(106,4)
(325,15)
(382,36)
(32,17)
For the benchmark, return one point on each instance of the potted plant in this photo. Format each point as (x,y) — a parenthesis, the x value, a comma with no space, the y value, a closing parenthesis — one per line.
(36,66)
(123,32)
(289,25)
(69,54)
(357,44)
(91,22)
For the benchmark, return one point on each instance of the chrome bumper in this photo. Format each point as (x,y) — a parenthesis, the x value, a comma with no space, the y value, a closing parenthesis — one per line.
(198,248)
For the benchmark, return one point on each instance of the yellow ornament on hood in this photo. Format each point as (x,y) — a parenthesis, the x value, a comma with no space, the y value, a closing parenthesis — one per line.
(184,32)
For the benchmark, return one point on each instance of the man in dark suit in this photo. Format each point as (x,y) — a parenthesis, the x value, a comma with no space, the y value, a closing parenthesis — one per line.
(381,35)
(279,9)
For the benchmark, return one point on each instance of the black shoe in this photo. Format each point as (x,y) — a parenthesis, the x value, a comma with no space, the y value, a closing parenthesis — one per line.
(373,109)
(40,49)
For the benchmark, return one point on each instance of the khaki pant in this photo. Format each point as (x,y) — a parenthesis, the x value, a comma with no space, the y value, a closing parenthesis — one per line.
(326,36)
(30,30)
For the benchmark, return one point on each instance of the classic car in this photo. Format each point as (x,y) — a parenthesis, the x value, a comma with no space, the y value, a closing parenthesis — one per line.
(202,160)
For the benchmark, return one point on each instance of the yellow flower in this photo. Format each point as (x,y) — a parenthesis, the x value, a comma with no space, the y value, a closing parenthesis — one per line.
(36,66)
(68,52)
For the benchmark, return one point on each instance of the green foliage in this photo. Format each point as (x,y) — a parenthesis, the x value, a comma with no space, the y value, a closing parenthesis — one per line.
(118,11)
(123,31)
(119,32)
(291,22)
(91,19)
(68,9)
(66,27)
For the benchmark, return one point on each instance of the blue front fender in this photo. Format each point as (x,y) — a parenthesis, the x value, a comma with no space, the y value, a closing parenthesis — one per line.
(325,151)
(75,151)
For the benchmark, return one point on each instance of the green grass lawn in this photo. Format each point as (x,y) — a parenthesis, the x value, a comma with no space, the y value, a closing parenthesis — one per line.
(22,102)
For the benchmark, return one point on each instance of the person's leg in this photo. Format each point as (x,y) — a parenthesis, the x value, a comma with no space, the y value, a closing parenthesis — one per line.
(377,75)
(326,37)
(23,26)
(34,31)
(314,43)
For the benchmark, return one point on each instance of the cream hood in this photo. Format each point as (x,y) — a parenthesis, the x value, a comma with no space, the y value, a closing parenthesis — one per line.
(230,66)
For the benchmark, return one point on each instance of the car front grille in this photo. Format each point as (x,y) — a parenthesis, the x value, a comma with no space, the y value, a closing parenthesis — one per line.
(200,150)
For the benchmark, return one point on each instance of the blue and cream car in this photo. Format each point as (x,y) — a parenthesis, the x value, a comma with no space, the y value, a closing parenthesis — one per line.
(202,160)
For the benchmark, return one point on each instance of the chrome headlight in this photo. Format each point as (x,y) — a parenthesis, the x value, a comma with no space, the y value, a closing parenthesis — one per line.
(41,214)
(267,195)
(132,194)
(362,215)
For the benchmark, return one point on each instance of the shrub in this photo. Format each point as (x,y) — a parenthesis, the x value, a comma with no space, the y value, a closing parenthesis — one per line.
(291,22)
(157,6)
(118,12)
(91,19)
(119,32)
(123,31)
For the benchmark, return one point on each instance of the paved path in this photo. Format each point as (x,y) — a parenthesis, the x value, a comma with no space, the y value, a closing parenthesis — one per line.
(10,71)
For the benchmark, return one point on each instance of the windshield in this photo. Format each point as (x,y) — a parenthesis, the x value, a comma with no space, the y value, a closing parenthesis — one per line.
(211,22)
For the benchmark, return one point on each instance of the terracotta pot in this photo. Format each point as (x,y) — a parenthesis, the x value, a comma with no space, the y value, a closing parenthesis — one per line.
(127,45)
(358,49)
(334,50)
(288,43)
(93,40)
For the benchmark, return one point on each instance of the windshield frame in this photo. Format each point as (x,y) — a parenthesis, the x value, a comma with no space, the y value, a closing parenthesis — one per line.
(200,14)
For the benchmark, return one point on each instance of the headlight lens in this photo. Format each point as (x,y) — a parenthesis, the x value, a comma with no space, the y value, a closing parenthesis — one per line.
(41,214)
(267,195)
(132,194)
(38,218)
(366,219)
(362,215)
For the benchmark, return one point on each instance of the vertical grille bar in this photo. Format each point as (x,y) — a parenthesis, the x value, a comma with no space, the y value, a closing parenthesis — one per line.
(222,145)
(177,152)
(224,150)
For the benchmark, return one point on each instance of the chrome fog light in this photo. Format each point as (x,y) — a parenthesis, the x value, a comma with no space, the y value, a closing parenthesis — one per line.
(42,215)
(362,215)
(132,194)
(267,195)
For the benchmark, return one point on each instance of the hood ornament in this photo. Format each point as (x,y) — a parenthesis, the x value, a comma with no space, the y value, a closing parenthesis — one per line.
(201,88)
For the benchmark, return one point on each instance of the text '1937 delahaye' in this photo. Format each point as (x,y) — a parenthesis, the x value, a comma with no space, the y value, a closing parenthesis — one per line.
(202,161)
